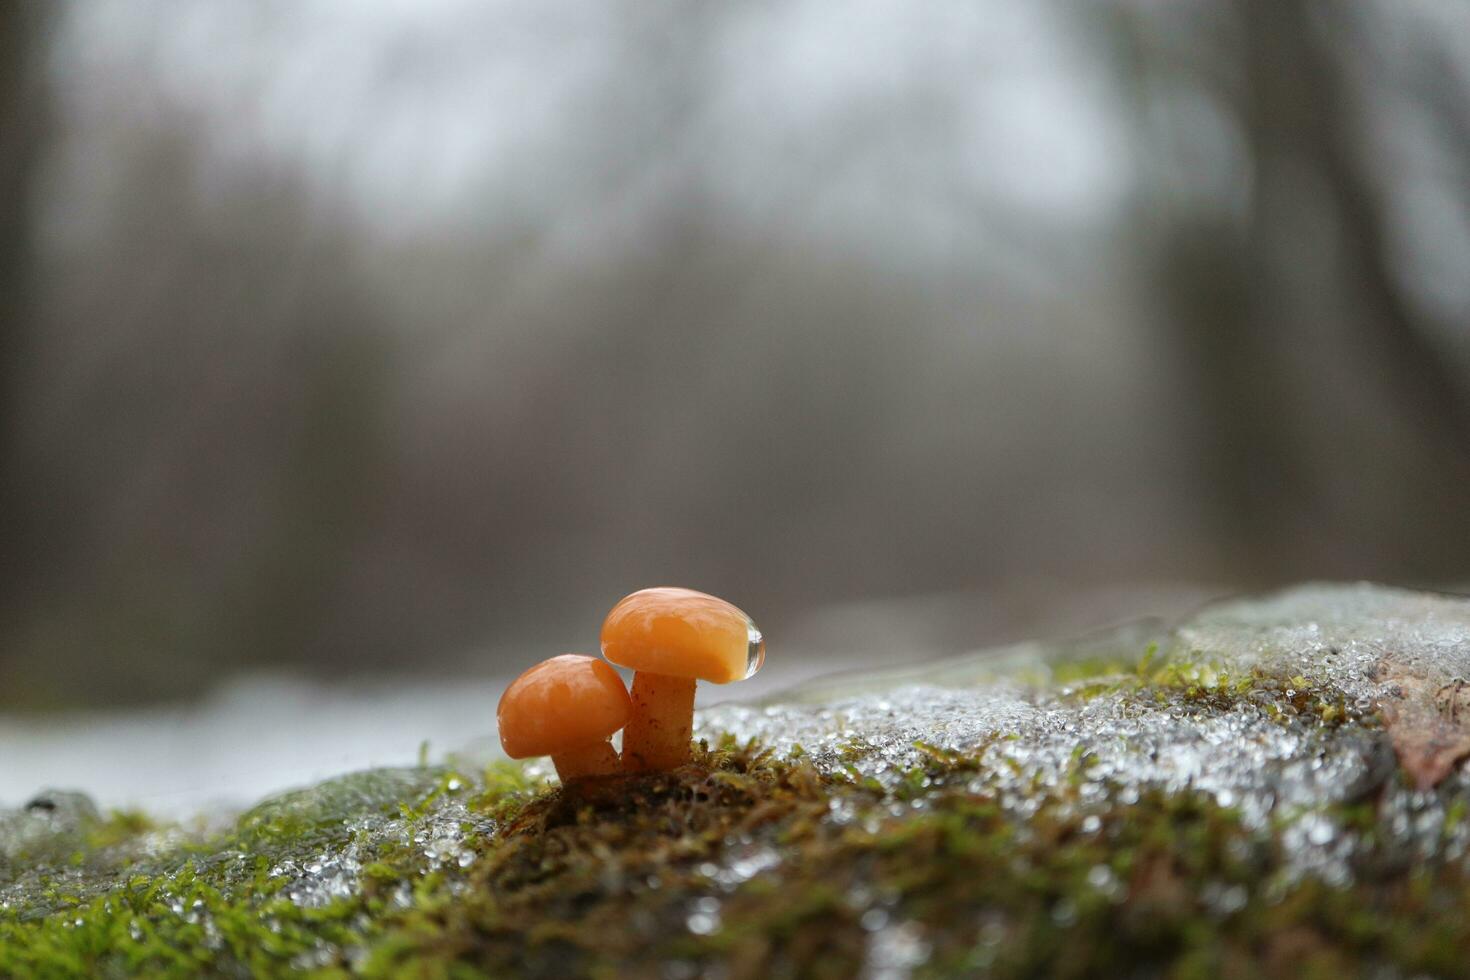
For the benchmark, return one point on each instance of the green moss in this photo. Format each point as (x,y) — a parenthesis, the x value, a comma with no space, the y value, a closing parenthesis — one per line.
(1167,884)
(755,864)
(1195,680)
(316,814)
(118,828)
(663,869)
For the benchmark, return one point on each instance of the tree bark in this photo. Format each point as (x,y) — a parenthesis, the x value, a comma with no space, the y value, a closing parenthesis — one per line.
(23,115)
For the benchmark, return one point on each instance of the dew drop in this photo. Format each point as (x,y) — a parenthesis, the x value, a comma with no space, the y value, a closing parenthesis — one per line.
(755,649)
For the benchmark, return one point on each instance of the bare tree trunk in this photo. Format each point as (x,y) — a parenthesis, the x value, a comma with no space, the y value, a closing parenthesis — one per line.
(1289,54)
(1396,405)
(1332,439)
(22,123)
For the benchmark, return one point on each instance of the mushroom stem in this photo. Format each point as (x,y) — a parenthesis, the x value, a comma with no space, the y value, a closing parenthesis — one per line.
(593,759)
(657,735)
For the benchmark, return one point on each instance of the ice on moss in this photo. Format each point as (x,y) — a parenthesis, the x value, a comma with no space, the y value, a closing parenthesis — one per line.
(1290,736)
(49,826)
(1335,636)
(1284,733)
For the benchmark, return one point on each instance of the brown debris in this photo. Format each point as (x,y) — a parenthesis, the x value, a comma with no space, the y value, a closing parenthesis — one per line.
(1428,720)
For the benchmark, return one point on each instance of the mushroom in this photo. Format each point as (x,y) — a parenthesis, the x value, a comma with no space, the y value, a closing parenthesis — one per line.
(566,707)
(671,638)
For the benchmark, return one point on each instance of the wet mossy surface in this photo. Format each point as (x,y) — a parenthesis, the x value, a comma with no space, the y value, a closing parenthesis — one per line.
(1038,831)
(756,865)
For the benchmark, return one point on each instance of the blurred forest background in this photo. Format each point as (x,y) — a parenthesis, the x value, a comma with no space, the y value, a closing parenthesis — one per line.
(366,336)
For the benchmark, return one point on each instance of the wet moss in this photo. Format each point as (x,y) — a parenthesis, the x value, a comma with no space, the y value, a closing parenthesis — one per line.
(1199,681)
(763,866)
(759,866)
(1161,885)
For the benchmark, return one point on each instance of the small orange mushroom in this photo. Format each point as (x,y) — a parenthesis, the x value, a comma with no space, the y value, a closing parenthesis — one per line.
(567,707)
(672,638)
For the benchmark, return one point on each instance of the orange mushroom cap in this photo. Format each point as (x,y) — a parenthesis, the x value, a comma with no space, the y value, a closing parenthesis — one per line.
(560,704)
(683,633)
